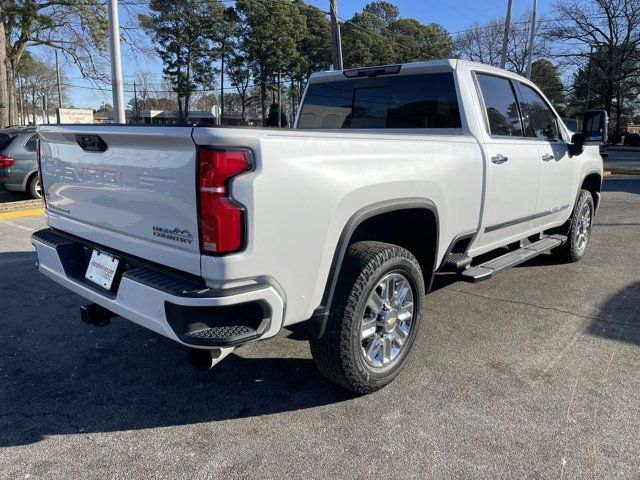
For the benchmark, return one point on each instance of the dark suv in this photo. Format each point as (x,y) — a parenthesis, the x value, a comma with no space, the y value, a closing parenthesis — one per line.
(632,140)
(18,160)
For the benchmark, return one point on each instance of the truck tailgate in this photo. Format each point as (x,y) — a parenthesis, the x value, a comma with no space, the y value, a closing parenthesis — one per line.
(138,195)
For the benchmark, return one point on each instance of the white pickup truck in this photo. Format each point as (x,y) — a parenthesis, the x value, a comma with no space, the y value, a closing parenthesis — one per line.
(216,237)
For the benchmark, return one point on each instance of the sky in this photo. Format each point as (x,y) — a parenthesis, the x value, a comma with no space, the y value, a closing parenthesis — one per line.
(454,15)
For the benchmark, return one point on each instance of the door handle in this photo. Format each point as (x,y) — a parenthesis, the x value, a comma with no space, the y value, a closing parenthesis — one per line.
(546,157)
(499,158)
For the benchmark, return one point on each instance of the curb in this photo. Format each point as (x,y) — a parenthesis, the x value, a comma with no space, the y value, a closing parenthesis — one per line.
(624,149)
(20,205)
(621,171)
(32,212)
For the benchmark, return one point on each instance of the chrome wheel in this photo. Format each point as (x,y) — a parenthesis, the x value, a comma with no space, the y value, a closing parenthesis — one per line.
(35,187)
(387,320)
(584,228)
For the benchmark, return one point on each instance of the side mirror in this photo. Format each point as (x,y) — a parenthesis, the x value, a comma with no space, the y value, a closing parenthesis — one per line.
(576,147)
(595,126)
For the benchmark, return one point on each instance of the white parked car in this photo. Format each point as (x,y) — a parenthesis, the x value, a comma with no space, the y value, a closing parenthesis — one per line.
(216,237)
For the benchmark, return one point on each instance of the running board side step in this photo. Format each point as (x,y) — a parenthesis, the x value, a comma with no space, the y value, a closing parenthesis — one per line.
(455,262)
(486,270)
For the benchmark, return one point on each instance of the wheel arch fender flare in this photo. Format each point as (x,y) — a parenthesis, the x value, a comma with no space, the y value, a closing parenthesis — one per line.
(566,226)
(589,173)
(315,325)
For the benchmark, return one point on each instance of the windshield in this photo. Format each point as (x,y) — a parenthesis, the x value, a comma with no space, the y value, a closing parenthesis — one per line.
(409,101)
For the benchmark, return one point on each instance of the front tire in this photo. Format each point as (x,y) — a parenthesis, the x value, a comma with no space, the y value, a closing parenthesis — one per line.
(373,319)
(579,231)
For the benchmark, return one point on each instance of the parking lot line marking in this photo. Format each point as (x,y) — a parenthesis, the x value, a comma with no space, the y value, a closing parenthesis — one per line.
(22,213)
(21,227)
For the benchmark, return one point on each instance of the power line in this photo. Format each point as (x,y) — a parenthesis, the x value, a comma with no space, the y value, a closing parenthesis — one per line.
(105,90)
(391,40)
(375,32)
(302,6)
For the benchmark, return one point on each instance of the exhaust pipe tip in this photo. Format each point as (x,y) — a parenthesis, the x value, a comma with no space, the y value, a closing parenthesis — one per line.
(203,359)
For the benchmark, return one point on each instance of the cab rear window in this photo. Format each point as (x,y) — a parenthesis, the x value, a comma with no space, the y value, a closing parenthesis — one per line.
(407,102)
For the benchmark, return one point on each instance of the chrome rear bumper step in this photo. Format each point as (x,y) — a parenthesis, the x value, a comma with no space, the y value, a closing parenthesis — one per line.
(486,270)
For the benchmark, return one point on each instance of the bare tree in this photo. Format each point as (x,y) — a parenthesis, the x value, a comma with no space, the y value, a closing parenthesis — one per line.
(239,71)
(144,85)
(483,43)
(37,82)
(77,29)
(4,85)
(605,33)
(152,95)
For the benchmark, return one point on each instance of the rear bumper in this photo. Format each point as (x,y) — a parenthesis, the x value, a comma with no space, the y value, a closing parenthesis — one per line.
(14,188)
(4,174)
(164,302)
(16,179)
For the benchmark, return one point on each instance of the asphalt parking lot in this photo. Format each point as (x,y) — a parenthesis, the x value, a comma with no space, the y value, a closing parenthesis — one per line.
(534,374)
(623,158)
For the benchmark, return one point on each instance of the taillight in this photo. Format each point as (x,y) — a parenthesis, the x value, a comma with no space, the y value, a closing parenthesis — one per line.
(6,161)
(221,218)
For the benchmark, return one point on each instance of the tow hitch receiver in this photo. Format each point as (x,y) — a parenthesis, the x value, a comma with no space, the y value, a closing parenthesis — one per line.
(96,315)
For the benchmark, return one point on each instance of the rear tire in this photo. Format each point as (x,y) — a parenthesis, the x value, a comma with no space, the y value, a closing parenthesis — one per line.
(579,231)
(374,317)
(35,187)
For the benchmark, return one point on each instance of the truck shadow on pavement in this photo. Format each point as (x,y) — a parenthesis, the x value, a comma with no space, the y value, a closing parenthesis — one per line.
(619,317)
(8,197)
(59,376)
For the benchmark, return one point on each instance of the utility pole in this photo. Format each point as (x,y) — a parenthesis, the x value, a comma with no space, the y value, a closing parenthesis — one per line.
(586,101)
(532,37)
(116,64)
(279,101)
(336,42)
(293,103)
(45,113)
(135,102)
(34,104)
(58,80)
(21,94)
(505,38)
(222,81)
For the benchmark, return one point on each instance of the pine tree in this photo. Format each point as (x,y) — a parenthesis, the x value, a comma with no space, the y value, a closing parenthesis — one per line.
(186,34)
(269,35)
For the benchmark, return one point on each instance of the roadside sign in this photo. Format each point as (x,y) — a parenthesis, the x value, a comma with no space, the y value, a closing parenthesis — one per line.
(74,115)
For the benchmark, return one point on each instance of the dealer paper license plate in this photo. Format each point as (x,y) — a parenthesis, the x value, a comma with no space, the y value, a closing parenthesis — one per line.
(102,269)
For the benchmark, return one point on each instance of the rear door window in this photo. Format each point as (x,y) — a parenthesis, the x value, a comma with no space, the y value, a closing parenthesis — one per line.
(408,102)
(501,105)
(539,119)
(32,143)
